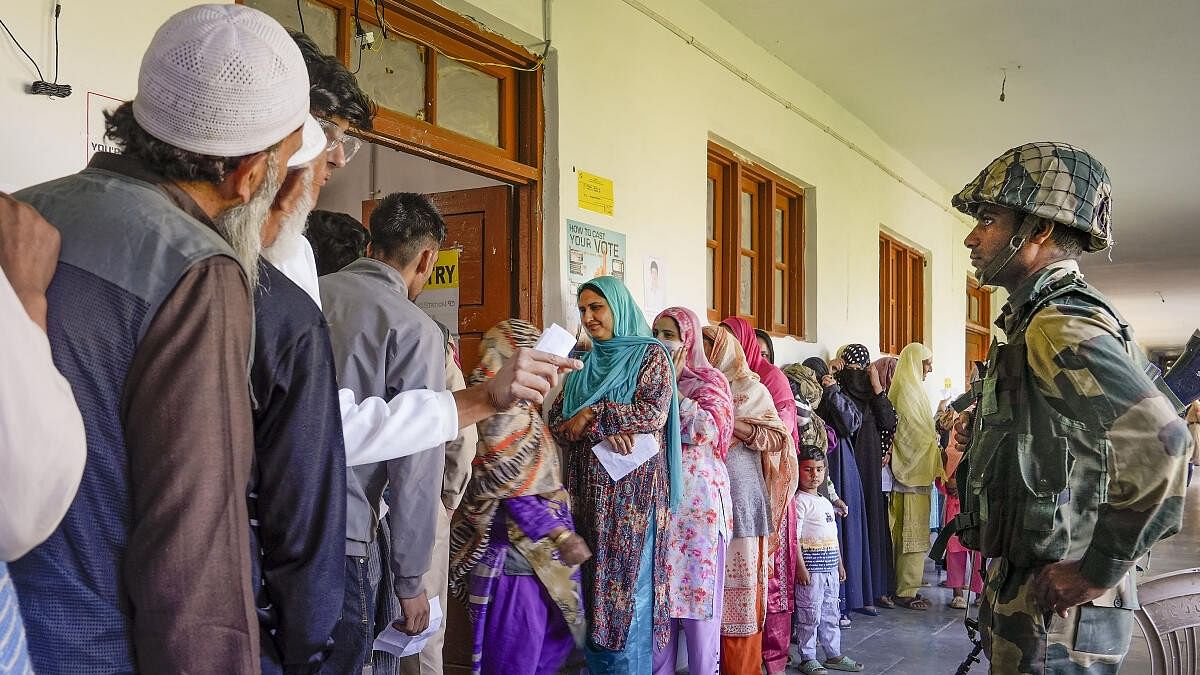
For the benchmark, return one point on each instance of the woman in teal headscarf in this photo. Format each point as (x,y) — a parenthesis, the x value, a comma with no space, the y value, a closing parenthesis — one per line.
(626,388)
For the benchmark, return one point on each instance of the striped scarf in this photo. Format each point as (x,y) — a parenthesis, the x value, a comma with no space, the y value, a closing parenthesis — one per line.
(516,458)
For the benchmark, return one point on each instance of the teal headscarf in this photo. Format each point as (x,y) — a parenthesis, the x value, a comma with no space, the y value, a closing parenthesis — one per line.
(610,371)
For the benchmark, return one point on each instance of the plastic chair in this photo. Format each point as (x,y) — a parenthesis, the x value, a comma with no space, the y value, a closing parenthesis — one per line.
(1170,619)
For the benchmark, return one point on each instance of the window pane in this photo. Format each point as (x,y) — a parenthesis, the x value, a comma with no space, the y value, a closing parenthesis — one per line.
(468,101)
(320,21)
(712,208)
(779,236)
(394,76)
(780,296)
(747,223)
(710,277)
(746,286)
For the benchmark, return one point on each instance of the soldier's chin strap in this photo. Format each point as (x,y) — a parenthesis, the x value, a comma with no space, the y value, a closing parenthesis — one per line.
(997,265)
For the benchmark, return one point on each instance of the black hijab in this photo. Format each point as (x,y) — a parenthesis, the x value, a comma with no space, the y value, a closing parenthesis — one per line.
(818,366)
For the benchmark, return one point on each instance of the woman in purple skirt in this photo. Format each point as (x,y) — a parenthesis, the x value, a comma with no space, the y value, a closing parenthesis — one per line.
(514,553)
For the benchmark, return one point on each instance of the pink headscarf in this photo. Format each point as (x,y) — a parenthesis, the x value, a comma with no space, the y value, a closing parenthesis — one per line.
(700,381)
(886,367)
(773,378)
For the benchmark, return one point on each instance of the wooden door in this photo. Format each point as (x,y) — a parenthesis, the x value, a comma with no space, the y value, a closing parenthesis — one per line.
(479,223)
(979,332)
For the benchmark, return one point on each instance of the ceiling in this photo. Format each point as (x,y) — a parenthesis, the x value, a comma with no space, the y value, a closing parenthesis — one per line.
(1119,78)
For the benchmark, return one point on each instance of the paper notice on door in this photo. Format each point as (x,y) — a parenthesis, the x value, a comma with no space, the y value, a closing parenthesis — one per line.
(556,340)
(617,465)
(401,644)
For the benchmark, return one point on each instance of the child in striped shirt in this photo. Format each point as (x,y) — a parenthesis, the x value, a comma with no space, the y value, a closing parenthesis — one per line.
(819,572)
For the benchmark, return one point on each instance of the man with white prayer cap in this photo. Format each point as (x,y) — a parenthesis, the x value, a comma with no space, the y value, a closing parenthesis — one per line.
(151,324)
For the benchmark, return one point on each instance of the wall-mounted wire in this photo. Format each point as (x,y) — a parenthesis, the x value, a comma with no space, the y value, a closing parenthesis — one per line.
(41,87)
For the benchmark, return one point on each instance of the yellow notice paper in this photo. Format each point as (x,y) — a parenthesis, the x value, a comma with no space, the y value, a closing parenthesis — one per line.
(445,270)
(595,193)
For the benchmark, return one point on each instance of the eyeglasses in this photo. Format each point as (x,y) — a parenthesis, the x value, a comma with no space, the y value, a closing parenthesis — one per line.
(337,138)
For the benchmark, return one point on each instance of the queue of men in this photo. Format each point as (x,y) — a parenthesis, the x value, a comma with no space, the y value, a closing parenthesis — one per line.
(199,368)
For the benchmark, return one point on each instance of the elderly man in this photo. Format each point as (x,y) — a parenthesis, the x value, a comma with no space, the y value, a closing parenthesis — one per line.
(42,443)
(150,322)
(1077,463)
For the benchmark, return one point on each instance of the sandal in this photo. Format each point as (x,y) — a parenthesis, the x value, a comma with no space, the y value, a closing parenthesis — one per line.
(845,664)
(869,610)
(959,602)
(813,667)
(916,603)
(844,623)
(885,601)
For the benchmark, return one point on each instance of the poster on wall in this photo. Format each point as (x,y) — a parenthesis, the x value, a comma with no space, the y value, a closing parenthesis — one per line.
(593,252)
(439,299)
(94,138)
(655,281)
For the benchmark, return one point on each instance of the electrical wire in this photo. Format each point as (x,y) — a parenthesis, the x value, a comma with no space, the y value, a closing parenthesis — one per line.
(358,33)
(301,13)
(41,87)
(18,44)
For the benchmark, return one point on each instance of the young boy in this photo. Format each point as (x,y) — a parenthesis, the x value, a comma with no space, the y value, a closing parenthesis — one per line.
(819,572)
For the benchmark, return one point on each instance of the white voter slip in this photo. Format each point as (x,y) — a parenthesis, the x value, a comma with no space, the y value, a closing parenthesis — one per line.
(618,466)
(400,644)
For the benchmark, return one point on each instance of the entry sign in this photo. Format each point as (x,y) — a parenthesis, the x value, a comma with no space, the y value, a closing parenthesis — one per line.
(595,193)
(440,297)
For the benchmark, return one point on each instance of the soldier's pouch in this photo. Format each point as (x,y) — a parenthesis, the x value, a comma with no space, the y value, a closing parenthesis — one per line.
(1103,630)
(1044,473)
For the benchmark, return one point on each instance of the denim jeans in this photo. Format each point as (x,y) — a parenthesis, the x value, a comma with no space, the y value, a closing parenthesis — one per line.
(355,633)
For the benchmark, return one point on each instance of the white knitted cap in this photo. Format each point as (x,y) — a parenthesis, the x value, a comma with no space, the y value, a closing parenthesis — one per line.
(312,143)
(221,80)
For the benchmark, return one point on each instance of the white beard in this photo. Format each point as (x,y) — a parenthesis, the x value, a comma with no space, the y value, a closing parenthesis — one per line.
(241,226)
(294,223)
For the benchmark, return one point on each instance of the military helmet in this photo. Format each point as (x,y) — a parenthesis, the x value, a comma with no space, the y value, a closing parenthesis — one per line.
(1056,181)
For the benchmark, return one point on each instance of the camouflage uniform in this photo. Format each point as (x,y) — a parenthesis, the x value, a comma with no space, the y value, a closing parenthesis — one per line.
(1075,454)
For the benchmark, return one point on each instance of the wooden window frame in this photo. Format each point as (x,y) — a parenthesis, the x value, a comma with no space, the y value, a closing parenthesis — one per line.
(901,295)
(733,176)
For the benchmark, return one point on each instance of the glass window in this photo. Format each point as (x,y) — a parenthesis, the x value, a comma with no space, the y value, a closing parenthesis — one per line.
(779,236)
(468,101)
(320,21)
(780,296)
(746,286)
(747,222)
(393,75)
(712,207)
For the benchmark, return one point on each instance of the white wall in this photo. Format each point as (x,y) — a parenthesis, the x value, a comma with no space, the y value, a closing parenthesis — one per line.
(636,104)
(101,46)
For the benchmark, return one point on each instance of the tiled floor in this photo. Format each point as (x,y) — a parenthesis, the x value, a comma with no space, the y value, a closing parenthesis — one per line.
(903,642)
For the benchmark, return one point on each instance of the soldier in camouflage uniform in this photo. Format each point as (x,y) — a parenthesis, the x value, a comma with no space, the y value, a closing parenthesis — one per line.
(1076,461)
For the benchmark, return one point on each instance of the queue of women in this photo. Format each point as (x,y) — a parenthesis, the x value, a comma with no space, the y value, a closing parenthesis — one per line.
(566,569)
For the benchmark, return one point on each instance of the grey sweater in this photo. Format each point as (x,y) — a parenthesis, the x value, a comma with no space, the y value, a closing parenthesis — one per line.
(384,344)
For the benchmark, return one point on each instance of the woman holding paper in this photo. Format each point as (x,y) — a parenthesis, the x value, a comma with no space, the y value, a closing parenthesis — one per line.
(514,554)
(763,475)
(700,529)
(623,400)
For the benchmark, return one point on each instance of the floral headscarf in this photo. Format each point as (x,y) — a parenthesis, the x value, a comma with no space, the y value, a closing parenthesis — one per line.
(700,381)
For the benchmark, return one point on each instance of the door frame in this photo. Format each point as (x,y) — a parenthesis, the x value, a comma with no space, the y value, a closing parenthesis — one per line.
(439,28)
